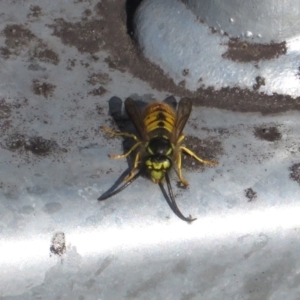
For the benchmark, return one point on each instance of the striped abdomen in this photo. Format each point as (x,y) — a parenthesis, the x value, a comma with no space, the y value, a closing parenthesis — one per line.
(159,119)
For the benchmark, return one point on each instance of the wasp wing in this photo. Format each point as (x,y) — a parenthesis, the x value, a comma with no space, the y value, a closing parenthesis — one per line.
(183,112)
(135,115)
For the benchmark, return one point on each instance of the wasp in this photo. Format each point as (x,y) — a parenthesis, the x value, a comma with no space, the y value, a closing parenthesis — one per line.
(158,146)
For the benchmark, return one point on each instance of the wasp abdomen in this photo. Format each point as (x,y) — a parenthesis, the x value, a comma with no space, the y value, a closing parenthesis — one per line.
(159,116)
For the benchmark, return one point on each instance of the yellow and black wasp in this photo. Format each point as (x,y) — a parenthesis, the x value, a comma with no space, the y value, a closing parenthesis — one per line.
(159,145)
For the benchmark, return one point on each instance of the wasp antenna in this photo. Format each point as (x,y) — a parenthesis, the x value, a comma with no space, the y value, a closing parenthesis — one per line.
(173,204)
(104,196)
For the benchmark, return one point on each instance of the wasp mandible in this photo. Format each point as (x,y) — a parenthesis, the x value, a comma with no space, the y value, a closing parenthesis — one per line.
(159,145)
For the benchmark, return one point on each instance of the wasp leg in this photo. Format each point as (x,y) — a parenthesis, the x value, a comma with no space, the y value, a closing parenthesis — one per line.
(117,133)
(180,139)
(178,162)
(178,169)
(122,134)
(192,154)
(127,153)
(117,156)
(135,166)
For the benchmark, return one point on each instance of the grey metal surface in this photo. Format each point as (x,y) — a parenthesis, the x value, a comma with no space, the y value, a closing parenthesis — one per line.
(192,55)
(259,21)
(58,242)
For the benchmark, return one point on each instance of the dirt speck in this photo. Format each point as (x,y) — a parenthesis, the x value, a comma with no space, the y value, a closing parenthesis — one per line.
(43,54)
(208,149)
(37,145)
(259,82)
(71,63)
(5,110)
(36,67)
(86,14)
(182,83)
(35,11)
(113,65)
(15,142)
(43,89)
(40,146)
(270,134)
(213,30)
(5,52)
(295,172)
(97,78)
(98,92)
(250,194)
(58,244)
(242,51)
(17,36)
(185,72)
(99,110)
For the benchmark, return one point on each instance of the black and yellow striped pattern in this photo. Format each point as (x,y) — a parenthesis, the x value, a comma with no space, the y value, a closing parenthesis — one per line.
(159,119)
(158,146)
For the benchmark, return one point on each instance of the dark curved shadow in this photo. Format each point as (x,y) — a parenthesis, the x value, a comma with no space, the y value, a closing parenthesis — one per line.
(118,113)
(114,190)
(108,193)
(171,101)
(124,124)
(131,7)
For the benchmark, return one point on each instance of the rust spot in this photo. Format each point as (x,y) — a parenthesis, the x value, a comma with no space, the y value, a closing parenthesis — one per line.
(40,146)
(86,36)
(5,52)
(270,134)
(250,194)
(86,14)
(295,172)
(17,36)
(45,55)
(35,11)
(98,92)
(185,72)
(5,110)
(58,244)
(15,142)
(242,51)
(259,82)
(97,78)
(71,63)
(43,89)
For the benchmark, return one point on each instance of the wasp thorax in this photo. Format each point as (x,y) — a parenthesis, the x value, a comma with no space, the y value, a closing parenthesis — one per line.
(160,145)
(157,166)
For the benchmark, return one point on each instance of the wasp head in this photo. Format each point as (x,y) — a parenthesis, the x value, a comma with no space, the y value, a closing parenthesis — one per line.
(158,165)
